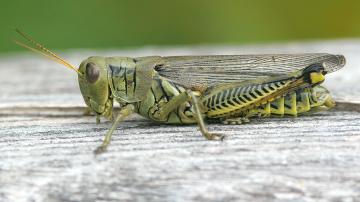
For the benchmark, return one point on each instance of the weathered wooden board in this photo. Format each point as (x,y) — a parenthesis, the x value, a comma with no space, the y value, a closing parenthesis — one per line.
(46,144)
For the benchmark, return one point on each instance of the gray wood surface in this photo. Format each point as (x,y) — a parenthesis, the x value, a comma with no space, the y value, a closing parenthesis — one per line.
(46,143)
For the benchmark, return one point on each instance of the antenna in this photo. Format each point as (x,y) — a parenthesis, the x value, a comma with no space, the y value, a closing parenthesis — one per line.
(38,48)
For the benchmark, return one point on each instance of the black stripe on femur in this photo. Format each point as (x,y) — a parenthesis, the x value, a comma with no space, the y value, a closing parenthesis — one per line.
(236,101)
(207,103)
(247,97)
(229,94)
(224,105)
(257,91)
(241,91)
(270,87)
(224,96)
(247,89)
(263,88)
(277,84)
(251,94)
(218,98)
(212,101)
(216,107)
(230,102)
(242,99)
(237,91)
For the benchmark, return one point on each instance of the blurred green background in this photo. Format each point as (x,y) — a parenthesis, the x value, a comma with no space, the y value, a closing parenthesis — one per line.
(70,24)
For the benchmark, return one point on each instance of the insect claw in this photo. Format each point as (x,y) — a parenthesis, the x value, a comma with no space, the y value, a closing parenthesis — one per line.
(215,136)
(97,119)
(101,149)
(220,137)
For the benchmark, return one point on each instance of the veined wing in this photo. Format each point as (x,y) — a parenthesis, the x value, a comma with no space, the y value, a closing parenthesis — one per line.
(192,71)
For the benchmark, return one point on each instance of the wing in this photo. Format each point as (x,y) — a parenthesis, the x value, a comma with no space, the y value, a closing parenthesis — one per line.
(192,71)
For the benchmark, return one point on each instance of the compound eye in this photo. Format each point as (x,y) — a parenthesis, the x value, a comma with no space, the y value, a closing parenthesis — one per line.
(92,72)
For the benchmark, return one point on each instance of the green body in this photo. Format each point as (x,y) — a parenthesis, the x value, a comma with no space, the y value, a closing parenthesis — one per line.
(122,80)
(222,89)
(190,89)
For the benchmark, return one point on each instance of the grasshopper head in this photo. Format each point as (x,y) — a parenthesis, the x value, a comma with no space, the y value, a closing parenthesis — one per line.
(94,85)
(92,75)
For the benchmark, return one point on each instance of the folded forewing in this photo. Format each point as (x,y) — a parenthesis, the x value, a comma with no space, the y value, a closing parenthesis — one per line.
(213,70)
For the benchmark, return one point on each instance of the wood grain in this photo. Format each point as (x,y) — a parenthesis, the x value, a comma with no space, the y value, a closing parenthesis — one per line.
(46,143)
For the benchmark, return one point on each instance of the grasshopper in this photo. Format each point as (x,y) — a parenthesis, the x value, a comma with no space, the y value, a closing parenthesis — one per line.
(227,89)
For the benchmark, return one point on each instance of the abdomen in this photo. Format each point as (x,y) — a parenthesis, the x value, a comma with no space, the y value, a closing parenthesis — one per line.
(302,101)
(284,97)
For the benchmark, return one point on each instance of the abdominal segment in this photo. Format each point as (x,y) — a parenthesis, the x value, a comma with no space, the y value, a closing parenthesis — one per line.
(301,101)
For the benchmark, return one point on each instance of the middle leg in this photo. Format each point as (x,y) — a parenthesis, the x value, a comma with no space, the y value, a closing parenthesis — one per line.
(162,112)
